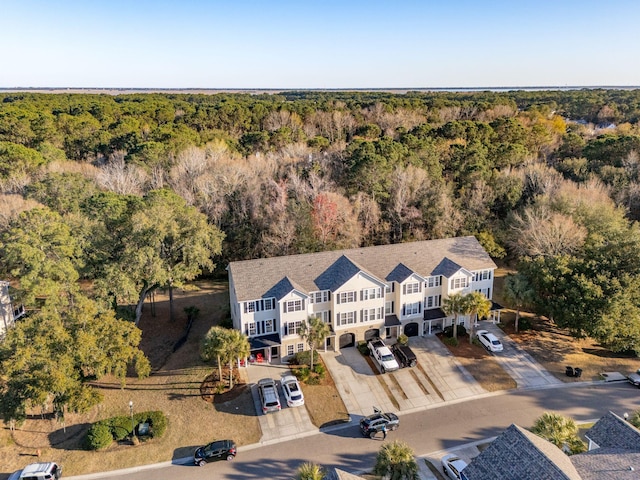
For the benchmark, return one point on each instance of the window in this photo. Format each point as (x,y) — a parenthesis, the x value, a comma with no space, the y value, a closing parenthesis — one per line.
(347,297)
(294,306)
(368,314)
(432,301)
(460,282)
(301,347)
(482,275)
(324,315)
(251,328)
(249,307)
(370,293)
(294,328)
(346,318)
(269,326)
(269,304)
(319,297)
(388,308)
(388,288)
(410,288)
(412,308)
(289,349)
(433,282)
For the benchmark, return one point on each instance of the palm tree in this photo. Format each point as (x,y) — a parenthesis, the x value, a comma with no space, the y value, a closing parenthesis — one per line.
(479,306)
(215,344)
(517,291)
(237,347)
(310,471)
(396,461)
(560,430)
(314,331)
(455,305)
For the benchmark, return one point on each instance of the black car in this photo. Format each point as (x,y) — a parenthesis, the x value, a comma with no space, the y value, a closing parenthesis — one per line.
(373,424)
(404,354)
(218,450)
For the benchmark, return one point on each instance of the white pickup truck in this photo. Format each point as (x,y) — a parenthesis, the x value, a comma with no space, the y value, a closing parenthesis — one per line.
(382,355)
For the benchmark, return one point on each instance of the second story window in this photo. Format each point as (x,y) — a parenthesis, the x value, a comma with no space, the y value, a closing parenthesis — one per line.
(294,306)
(347,297)
(319,297)
(269,326)
(370,293)
(433,282)
(460,282)
(294,328)
(410,288)
(482,275)
(433,301)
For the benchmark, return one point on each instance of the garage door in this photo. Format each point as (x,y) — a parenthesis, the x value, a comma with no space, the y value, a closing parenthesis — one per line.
(373,333)
(347,340)
(411,329)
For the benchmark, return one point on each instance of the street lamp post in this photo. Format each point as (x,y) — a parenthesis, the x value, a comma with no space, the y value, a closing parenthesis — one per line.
(133,433)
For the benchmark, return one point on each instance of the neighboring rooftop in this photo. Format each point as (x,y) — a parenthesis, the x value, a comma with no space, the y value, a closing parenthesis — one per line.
(254,278)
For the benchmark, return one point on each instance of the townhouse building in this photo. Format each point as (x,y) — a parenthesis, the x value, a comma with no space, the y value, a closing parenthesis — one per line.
(361,293)
(8,313)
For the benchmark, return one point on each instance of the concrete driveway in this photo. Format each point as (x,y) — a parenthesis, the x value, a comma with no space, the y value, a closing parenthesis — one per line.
(437,378)
(290,422)
(527,372)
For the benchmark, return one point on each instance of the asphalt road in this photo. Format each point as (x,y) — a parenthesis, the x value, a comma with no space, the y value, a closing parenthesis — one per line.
(427,431)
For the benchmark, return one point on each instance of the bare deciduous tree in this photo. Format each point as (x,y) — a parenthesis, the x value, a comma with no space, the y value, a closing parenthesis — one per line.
(120,177)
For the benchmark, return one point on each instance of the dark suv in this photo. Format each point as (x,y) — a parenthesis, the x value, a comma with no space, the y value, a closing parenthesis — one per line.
(405,356)
(219,450)
(373,424)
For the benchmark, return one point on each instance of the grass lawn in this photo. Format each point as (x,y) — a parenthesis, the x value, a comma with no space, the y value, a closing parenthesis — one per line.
(175,387)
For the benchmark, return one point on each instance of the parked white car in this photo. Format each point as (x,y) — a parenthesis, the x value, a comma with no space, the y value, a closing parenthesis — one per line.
(489,341)
(292,391)
(452,465)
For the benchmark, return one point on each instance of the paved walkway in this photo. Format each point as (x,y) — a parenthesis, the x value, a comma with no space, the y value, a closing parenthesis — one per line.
(288,422)
(526,371)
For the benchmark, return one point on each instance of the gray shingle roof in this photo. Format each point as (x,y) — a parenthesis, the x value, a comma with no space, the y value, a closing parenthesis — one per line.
(254,278)
(446,268)
(608,464)
(611,431)
(337,274)
(399,274)
(518,454)
(282,288)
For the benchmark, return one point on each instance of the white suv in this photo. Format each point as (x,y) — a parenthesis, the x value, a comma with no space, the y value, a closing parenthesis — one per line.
(38,471)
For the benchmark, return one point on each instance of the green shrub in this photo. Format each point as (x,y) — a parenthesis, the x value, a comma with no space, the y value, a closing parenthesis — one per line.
(448,331)
(524,323)
(99,436)
(120,427)
(363,348)
(158,423)
(319,370)
(453,342)
(403,339)
(302,358)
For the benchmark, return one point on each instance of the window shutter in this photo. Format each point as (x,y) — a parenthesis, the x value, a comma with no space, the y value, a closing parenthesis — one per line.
(404,289)
(338,299)
(361,295)
(419,307)
(362,315)
(303,304)
(393,286)
(403,309)
(286,329)
(284,307)
(420,286)
(328,295)
(392,309)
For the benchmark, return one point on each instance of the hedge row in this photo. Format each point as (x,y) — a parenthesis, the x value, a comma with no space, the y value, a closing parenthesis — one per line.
(105,432)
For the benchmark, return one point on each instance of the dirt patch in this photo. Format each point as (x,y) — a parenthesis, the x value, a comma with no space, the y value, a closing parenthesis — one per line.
(480,364)
(555,349)
(323,402)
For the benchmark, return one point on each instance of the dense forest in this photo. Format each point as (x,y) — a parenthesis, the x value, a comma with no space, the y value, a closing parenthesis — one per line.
(105,198)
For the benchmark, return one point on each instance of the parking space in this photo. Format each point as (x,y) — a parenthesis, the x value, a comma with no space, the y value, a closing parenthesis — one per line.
(288,422)
(519,364)
(438,377)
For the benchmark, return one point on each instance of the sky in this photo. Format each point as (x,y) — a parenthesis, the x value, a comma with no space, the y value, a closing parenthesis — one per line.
(309,44)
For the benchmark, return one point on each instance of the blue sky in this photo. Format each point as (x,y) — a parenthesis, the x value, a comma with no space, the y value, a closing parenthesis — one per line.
(318,44)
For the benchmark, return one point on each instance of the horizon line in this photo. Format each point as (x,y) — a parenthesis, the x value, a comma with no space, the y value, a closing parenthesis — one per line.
(280,89)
